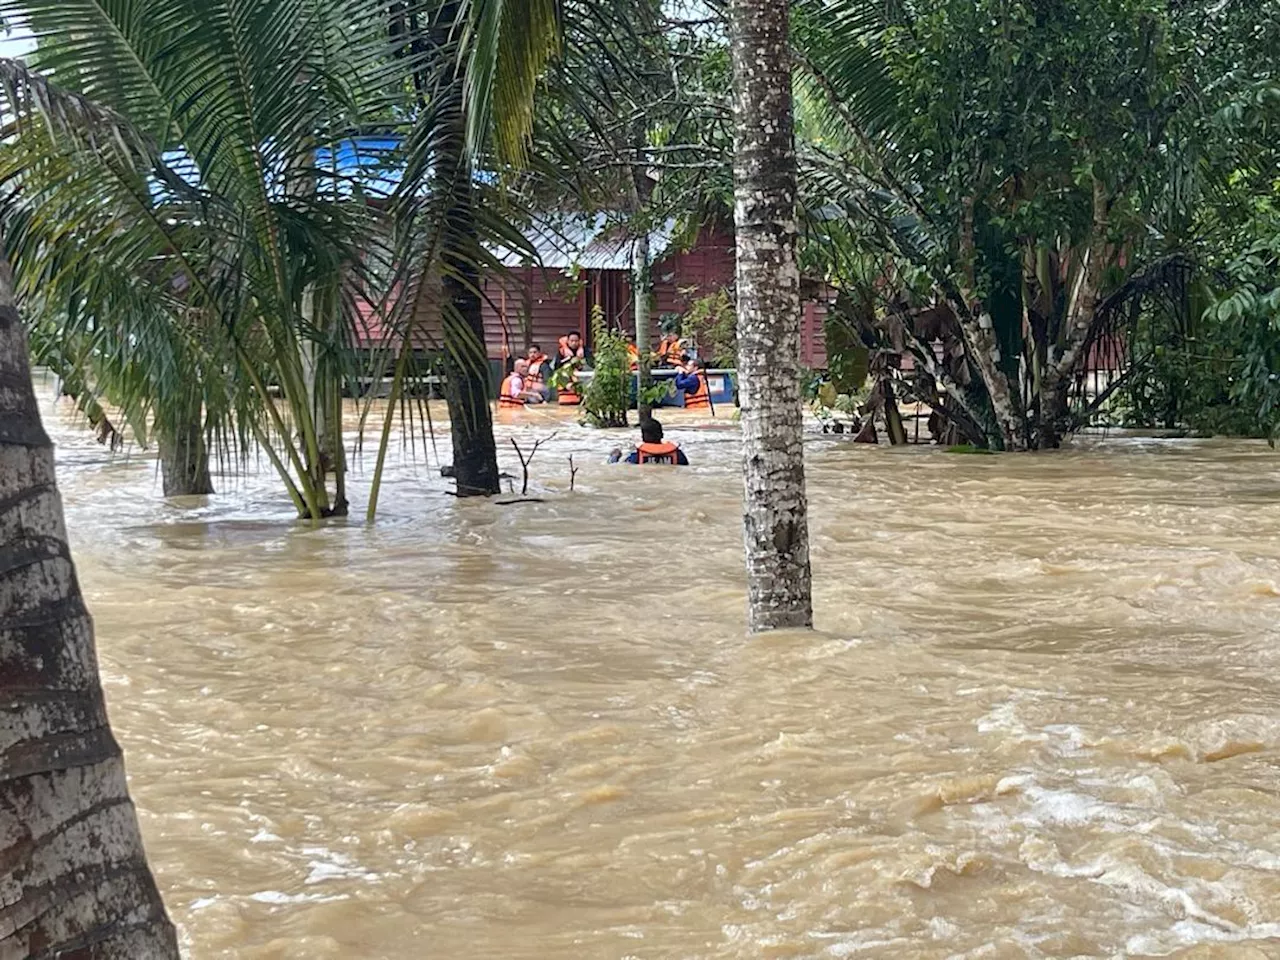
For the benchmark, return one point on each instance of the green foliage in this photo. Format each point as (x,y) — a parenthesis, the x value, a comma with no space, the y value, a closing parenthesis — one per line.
(848,358)
(1217,370)
(1243,365)
(186,211)
(563,376)
(658,391)
(608,396)
(713,322)
(825,397)
(992,166)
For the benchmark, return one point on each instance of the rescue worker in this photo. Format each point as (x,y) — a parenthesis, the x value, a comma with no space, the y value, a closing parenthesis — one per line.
(539,370)
(692,379)
(652,449)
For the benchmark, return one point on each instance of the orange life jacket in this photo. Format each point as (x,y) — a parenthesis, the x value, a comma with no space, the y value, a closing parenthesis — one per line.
(664,453)
(700,399)
(509,396)
(634,354)
(569,397)
(568,354)
(669,351)
(535,370)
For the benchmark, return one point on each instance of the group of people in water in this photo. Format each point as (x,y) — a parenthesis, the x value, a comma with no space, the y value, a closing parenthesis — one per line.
(529,381)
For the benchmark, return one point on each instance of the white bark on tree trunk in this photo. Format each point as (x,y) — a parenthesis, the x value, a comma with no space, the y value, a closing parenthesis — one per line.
(776,508)
(74,879)
(1081,313)
(984,348)
(642,285)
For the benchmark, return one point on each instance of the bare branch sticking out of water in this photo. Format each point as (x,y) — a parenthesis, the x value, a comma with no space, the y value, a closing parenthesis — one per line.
(573,474)
(525,461)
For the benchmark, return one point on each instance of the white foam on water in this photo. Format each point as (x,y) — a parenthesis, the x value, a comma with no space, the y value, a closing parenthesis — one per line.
(1188,903)
(279,897)
(327,864)
(853,944)
(1189,933)
(1068,808)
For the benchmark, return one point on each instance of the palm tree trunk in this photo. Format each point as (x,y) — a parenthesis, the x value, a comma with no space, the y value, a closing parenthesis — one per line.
(776,507)
(73,873)
(184,456)
(466,364)
(467,387)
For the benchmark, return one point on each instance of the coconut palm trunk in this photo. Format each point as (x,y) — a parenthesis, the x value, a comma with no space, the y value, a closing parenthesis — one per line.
(184,454)
(776,507)
(74,879)
(467,387)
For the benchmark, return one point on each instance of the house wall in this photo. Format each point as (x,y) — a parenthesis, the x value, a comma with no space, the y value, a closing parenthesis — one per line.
(532,305)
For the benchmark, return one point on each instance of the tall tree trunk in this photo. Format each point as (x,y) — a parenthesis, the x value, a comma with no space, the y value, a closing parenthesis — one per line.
(984,347)
(184,456)
(642,287)
(642,274)
(475,455)
(467,387)
(776,507)
(1009,432)
(1065,356)
(74,879)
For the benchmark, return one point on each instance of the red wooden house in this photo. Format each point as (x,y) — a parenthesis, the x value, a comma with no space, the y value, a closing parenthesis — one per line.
(581,262)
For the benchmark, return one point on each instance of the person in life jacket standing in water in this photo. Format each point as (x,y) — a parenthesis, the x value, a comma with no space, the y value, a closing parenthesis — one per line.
(571,354)
(572,348)
(539,371)
(671,348)
(515,390)
(692,379)
(653,448)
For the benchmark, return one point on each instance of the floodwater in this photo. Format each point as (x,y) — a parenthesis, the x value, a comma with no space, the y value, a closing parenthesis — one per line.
(1039,719)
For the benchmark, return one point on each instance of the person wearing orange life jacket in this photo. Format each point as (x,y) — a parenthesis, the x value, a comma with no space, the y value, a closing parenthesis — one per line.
(572,353)
(692,379)
(652,449)
(670,351)
(515,391)
(572,347)
(539,371)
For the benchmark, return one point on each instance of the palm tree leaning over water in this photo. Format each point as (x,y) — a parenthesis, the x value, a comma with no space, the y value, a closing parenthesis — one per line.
(244,249)
(72,866)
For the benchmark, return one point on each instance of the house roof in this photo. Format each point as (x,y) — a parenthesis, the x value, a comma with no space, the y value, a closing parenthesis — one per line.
(373,167)
(571,242)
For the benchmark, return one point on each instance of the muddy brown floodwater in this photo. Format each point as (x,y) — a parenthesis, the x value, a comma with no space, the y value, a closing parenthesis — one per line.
(1039,719)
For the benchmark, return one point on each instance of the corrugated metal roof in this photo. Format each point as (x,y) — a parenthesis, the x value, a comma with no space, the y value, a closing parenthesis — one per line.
(572,242)
(373,167)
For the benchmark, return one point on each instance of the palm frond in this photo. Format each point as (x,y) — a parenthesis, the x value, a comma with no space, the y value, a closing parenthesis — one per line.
(507,45)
